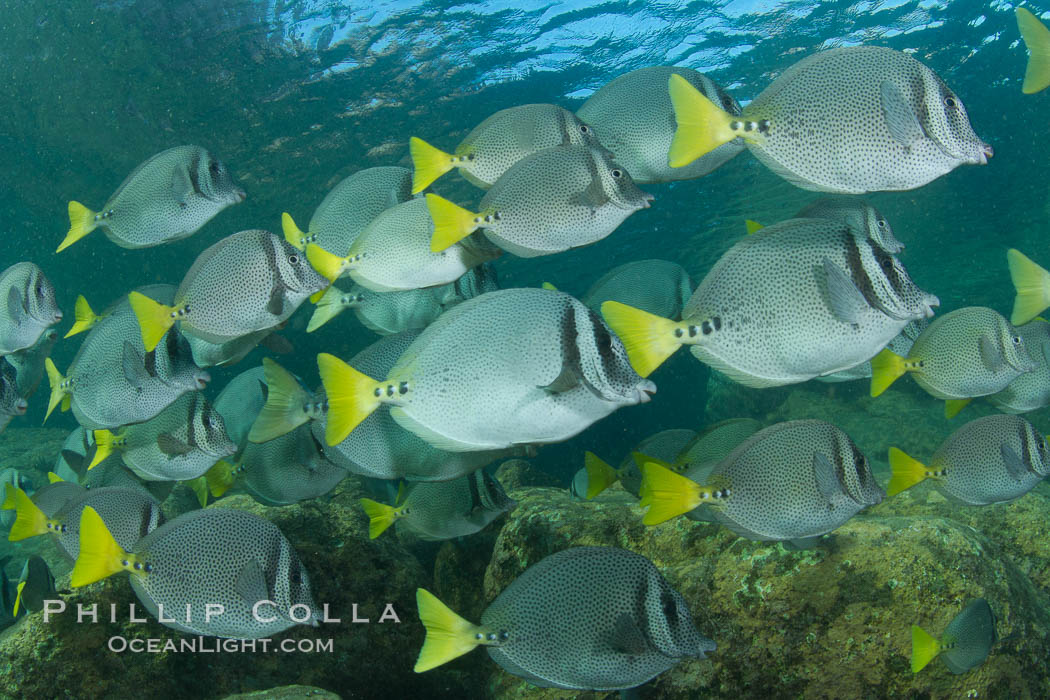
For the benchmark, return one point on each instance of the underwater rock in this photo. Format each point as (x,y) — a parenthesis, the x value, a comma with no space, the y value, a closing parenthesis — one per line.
(287,692)
(515,473)
(832,622)
(65,659)
(30,449)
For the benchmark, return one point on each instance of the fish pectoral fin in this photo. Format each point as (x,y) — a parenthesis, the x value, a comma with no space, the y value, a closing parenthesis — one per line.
(251,583)
(827,480)
(594,197)
(172,446)
(15,309)
(1015,466)
(276,303)
(568,378)
(134,366)
(990,355)
(900,118)
(181,185)
(847,302)
(627,638)
(277,344)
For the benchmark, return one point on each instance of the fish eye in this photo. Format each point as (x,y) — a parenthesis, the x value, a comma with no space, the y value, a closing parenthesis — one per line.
(881,223)
(617,173)
(1017,340)
(296,578)
(887,264)
(293,259)
(584,129)
(214,167)
(950,102)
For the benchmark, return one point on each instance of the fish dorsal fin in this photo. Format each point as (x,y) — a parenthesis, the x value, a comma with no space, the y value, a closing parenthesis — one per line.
(134,366)
(846,301)
(181,184)
(1015,466)
(594,197)
(276,303)
(827,480)
(627,638)
(251,583)
(990,355)
(172,446)
(15,309)
(900,118)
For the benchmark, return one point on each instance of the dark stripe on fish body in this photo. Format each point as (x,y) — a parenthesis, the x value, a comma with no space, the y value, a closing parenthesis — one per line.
(1027,446)
(570,350)
(892,273)
(194,172)
(604,343)
(475,496)
(855,264)
(150,361)
(191,429)
(564,126)
(269,246)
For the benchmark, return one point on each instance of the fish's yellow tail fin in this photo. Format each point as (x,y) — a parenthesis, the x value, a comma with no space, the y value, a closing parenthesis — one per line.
(702,127)
(380,516)
(105,443)
(429,163)
(953,406)
(452,223)
(1032,283)
(283,411)
(9,498)
(100,555)
(59,393)
(328,307)
(549,287)
(199,486)
(53,478)
(154,318)
(30,521)
(328,265)
(81,223)
(600,475)
(448,635)
(667,494)
(351,396)
(905,472)
(292,233)
(18,598)
(752,226)
(924,647)
(84,315)
(220,478)
(649,339)
(1037,38)
(886,367)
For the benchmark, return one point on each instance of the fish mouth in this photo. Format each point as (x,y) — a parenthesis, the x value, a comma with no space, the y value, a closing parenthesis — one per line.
(646,390)
(238,196)
(57,316)
(985,153)
(20,407)
(201,380)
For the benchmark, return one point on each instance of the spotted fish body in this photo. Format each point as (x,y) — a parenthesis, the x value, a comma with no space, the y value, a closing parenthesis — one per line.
(114,382)
(858,215)
(510,135)
(225,557)
(995,459)
(970,637)
(632,116)
(167,198)
(181,443)
(900,345)
(395,252)
(764,316)
(862,119)
(1031,390)
(969,352)
(247,282)
(660,287)
(542,367)
(557,199)
(129,515)
(821,481)
(28,364)
(354,202)
(554,631)
(443,510)
(288,469)
(11,402)
(27,307)
(382,449)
